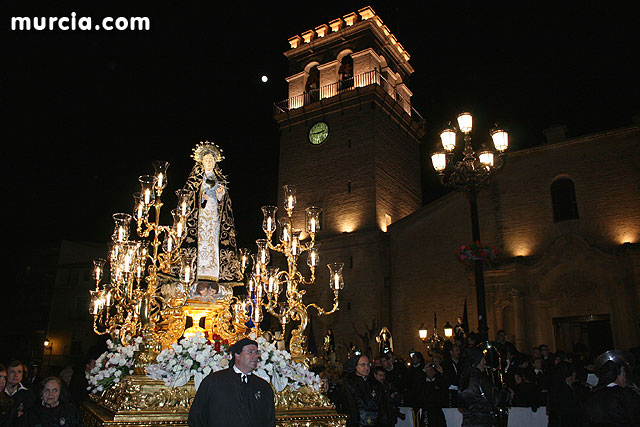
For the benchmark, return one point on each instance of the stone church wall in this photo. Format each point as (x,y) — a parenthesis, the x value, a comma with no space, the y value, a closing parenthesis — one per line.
(516,215)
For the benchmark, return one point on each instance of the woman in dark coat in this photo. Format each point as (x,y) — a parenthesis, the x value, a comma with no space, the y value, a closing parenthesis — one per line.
(51,411)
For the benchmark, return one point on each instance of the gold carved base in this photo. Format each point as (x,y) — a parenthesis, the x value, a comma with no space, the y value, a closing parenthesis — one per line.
(141,401)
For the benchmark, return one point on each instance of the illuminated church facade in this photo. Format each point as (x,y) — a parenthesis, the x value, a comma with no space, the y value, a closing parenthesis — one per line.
(564,215)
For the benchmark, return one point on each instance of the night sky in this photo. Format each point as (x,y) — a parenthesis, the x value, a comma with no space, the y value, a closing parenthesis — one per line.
(89,111)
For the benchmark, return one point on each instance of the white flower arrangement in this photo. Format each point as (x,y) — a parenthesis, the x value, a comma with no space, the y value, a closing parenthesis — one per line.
(112,365)
(197,357)
(193,357)
(276,367)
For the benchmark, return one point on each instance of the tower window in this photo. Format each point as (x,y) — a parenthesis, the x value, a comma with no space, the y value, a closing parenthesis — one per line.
(346,72)
(563,198)
(312,87)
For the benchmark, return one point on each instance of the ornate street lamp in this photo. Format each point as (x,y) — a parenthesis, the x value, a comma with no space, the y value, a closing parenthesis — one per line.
(469,174)
(434,343)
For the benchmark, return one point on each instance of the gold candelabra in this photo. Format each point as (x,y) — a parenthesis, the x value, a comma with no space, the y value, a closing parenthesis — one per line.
(134,300)
(266,283)
(130,303)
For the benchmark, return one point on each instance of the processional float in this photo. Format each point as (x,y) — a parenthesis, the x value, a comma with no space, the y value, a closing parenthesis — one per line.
(159,278)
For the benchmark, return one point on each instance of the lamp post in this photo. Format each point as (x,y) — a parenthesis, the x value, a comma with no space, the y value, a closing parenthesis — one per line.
(469,174)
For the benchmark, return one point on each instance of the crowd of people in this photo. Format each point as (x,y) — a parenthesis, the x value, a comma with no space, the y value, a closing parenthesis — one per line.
(479,378)
(484,379)
(28,398)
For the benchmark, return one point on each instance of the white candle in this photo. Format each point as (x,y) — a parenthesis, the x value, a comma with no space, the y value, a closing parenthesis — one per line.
(147,196)
(268,223)
(336,280)
(313,225)
(187,274)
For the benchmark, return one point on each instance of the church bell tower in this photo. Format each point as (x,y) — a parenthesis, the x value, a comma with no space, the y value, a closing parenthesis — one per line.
(350,145)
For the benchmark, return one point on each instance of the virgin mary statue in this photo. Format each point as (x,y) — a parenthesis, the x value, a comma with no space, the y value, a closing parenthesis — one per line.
(211,225)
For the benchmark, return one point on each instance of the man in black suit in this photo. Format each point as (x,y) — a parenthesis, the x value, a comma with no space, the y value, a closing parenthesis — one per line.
(234,397)
(452,368)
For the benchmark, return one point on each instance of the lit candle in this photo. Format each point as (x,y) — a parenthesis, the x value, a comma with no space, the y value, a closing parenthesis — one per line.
(313,257)
(120,234)
(336,281)
(169,244)
(127,263)
(108,299)
(290,202)
(263,256)
(268,223)
(187,274)
(294,247)
(95,307)
(160,180)
(179,229)
(183,207)
(140,210)
(147,196)
(313,225)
